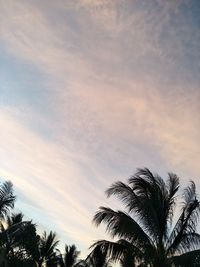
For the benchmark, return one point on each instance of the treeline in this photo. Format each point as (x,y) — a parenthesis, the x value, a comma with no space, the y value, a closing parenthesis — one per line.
(145,234)
(21,245)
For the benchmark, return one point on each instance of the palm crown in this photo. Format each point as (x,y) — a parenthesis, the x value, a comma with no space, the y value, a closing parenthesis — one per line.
(69,259)
(145,232)
(46,250)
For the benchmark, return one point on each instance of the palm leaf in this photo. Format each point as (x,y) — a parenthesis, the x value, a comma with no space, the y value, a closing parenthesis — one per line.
(122,225)
(186,224)
(7,198)
(189,259)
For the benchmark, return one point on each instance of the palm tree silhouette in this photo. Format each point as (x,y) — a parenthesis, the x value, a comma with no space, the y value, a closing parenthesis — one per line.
(69,259)
(47,250)
(18,238)
(146,232)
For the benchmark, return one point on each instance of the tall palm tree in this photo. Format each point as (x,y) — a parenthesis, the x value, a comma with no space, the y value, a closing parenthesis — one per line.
(69,259)
(146,231)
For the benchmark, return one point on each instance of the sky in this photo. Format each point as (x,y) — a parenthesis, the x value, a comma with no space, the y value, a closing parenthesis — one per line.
(90,90)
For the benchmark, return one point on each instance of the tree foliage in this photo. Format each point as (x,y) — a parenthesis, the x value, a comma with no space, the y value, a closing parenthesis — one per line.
(146,231)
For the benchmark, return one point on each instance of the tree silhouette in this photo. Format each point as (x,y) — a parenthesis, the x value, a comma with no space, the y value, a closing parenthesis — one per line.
(98,258)
(18,238)
(69,259)
(47,250)
(145,231)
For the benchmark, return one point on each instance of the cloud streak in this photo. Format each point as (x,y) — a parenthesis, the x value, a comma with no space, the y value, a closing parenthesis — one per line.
(50,175)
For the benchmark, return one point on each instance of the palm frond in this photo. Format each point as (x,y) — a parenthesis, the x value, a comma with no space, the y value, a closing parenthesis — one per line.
(47,246)
(122,225)
(187,221)
(14,219)
(173,186)
(7,198)
(82,263)
(189,241)
(138,205)
(98,258)
(119,251)
(112,250)
(71,255)
(152,202)
(189,259)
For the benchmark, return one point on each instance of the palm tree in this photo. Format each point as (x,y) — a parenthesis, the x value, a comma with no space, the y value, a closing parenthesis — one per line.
(18,238)
(46,252)
(147,234)
(70,257)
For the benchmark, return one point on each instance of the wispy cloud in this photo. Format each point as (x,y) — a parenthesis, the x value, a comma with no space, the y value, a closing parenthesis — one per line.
(51,175)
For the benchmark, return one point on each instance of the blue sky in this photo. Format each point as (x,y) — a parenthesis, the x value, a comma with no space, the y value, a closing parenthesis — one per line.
(89,91)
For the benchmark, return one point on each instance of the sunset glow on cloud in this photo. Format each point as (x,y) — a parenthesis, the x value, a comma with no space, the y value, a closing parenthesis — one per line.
(90,91)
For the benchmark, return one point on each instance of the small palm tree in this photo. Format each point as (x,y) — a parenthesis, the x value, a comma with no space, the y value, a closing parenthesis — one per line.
(46,252)
(146,232)
(69,259)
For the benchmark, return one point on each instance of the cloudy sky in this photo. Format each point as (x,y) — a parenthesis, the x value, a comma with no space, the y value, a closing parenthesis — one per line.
(89,91)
